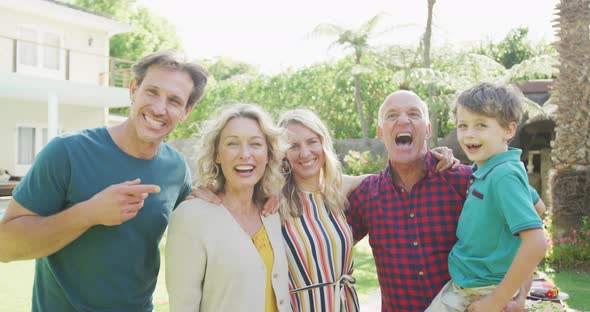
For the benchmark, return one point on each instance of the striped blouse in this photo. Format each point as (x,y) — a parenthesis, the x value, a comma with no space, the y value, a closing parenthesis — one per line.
(319,253)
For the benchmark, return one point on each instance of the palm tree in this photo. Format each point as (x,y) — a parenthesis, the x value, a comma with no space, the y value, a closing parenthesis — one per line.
(571,148)
(426,45)
(357,40)
(571,92)
(428,33)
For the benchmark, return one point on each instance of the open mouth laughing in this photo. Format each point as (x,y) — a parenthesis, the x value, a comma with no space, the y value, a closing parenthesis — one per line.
(404,139)
(244,169)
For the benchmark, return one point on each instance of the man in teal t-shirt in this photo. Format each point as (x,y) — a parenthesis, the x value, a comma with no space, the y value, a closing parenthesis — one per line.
(94,206)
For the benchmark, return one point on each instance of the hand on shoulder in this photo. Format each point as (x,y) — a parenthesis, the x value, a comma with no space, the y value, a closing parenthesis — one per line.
(350,183)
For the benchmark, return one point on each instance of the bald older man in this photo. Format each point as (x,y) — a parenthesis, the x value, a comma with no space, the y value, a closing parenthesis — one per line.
(410,210)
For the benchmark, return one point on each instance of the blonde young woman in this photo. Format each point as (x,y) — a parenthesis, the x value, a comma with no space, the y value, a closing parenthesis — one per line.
(226,257)
(317,237)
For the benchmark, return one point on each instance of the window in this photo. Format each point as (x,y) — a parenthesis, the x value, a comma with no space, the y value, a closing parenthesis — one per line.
(51,51)
(26,145)
(40,49)
(30,141)
(27,49)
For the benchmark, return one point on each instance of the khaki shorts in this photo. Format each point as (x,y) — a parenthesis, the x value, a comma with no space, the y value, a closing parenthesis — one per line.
(454,298)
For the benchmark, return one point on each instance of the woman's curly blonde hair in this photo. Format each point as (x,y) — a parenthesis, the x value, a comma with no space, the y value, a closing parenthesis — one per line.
(209,173)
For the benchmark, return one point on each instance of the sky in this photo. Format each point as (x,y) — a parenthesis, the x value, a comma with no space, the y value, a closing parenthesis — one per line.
(275,35)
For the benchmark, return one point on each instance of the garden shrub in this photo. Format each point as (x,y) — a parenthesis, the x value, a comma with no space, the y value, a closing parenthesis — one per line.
(357,163)
(572,250)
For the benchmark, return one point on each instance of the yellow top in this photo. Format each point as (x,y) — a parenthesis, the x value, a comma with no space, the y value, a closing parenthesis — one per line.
(262,243)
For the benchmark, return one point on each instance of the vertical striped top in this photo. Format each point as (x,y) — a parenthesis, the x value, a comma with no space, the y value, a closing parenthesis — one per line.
(319,253)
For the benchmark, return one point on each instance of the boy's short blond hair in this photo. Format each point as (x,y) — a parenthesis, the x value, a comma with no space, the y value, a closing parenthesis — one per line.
(505,103)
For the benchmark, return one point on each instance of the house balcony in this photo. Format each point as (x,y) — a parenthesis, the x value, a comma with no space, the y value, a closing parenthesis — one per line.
(55,62)
(46,90)
(49,73)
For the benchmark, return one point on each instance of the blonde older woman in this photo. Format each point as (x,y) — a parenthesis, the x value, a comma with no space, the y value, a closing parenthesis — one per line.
(227,257)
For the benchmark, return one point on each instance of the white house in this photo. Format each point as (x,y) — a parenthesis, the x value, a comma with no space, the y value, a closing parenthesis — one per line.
(54,75)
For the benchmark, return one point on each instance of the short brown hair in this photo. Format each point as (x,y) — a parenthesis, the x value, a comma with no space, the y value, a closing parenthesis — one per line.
(505,103)
(175,60)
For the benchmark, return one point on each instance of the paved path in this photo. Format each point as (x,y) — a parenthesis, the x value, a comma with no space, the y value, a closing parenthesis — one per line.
(373,303)
(3,204)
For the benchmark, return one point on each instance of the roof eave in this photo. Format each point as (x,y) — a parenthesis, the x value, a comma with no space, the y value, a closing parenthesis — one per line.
(70,13)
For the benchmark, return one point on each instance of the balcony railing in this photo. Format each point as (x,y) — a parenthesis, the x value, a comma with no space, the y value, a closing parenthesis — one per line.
(119,72)
(54,61)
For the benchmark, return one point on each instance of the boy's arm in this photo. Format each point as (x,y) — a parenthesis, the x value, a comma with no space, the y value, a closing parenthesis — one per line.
(531,251)
(538,202)
(540,208)
(517,303)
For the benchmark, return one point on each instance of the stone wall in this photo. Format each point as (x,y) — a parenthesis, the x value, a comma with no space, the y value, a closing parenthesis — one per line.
(188,149)
(374,145)
(573,189)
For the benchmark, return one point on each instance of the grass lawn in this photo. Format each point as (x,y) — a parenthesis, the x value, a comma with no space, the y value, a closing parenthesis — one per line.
(16,283)
(16,280)
(364,270)
(577,285)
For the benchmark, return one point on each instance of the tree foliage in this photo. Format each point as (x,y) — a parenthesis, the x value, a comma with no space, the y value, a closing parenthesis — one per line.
(119,9)
(328,89)
(515,48)
(358,41)
(149,33)
(222,68)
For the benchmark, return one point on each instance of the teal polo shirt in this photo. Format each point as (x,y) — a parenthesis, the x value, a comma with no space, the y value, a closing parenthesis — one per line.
(499,205)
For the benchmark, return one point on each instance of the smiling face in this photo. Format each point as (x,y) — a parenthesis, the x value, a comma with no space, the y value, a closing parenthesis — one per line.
(404,127)
(306,156)
(242,153)
(480,136)
(159,103)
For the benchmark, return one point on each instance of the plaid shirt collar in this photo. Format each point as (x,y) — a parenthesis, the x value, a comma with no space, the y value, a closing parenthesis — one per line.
(429,169)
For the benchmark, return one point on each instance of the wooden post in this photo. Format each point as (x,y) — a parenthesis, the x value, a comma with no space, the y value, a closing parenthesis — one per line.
(67,64)
(14,55)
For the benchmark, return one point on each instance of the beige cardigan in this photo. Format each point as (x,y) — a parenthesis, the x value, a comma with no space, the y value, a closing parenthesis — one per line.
(212,264)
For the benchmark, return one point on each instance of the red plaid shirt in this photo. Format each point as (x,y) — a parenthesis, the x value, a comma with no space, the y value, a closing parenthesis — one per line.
(411,234)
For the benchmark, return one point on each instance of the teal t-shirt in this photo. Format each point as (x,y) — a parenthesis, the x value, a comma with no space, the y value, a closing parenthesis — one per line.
(108,268)
(499,205)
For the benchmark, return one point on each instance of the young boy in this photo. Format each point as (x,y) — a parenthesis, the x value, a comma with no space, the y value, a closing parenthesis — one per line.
(500,236)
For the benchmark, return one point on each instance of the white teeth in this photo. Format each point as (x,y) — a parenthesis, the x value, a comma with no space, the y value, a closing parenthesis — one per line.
(403,134)
(244,167)
(307,163)
(153,121)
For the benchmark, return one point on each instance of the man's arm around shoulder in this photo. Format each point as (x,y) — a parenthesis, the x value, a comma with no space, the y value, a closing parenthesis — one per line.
(359,201)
